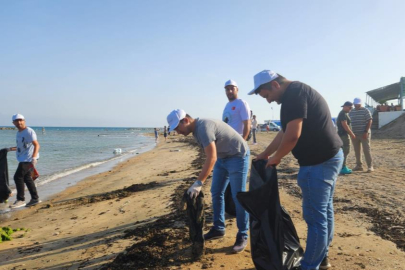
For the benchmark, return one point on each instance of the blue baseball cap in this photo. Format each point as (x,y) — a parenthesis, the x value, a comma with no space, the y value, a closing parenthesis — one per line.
(263,77)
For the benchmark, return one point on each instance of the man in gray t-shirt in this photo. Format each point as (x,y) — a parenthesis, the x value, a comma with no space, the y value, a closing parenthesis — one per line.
(228,154)
(227,143)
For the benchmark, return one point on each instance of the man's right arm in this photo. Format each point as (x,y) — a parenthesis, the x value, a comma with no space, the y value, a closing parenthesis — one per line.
(273,146)
(347,128)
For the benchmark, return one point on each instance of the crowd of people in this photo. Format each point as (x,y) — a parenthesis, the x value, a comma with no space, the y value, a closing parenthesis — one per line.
(307,131)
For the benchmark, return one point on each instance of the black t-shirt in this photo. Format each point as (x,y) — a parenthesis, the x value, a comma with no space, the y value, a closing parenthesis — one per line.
(343,116)
(319,141)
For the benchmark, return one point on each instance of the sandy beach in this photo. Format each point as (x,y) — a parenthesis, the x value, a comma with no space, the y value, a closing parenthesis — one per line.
(128,217)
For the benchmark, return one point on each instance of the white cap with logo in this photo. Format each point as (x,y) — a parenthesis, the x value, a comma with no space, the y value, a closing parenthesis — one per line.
(230,82)
(18,116)
(263,77)
(357,101)
(173,119)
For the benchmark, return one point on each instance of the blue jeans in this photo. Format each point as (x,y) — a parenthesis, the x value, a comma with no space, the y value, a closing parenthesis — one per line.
(234,171)
(317,184)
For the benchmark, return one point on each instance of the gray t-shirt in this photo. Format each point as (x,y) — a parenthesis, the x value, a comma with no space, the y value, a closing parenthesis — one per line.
(228,142)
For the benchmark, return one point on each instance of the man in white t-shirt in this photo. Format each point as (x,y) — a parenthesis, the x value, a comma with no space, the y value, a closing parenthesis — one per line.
(237,111)
(27,153)
(254,129)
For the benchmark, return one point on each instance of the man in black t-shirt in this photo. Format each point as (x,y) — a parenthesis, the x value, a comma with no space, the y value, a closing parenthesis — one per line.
(307,132)
(343,123)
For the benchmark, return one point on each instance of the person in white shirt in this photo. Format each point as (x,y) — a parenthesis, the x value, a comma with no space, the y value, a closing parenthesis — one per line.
(254,129)
(237,111)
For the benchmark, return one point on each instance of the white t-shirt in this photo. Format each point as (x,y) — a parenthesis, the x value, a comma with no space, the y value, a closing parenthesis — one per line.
(235,113)
(254,123)
(25,148)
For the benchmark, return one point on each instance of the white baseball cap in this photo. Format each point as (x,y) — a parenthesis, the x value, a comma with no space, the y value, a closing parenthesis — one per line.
(18,116)
(230,82)
(263,77)
(357,101)
(173,119)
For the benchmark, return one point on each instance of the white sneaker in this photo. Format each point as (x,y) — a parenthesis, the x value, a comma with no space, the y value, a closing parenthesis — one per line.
(371,169)
(18,204)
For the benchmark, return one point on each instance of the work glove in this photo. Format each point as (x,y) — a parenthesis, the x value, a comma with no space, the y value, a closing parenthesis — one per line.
(34,162)
(195,189)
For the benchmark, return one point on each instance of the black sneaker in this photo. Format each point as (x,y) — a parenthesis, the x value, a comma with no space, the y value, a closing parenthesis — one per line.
(325,264)
(33,202)
(214,234)
(240,244)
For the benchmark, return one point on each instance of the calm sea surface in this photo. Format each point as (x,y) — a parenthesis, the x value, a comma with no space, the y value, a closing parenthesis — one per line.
(65,151)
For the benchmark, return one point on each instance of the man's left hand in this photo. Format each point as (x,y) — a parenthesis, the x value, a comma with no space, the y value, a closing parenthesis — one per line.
(273,161)
(365,135)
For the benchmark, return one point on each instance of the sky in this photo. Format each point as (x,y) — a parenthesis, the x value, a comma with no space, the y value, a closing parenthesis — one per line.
(129,63)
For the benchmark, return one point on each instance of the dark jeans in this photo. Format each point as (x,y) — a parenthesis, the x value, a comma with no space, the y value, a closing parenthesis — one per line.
(21,176)
(346,147)
(254,135)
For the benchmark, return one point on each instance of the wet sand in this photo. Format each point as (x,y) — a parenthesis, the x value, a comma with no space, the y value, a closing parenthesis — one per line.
(128,217)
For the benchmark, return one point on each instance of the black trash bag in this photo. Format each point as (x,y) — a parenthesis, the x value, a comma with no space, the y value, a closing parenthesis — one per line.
(274,241)
(196,221)
(230,207)
(5,191)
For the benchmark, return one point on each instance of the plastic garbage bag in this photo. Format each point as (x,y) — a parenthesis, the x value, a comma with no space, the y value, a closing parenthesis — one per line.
(5,191)
(274,241)
(196,221)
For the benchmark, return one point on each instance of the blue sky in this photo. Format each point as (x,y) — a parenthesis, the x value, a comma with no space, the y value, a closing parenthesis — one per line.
(129,63)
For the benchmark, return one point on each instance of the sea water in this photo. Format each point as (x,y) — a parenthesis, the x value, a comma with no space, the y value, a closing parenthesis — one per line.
(69,154)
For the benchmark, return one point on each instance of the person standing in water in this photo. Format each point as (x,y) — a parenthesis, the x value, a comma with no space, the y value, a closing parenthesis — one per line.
(156,135)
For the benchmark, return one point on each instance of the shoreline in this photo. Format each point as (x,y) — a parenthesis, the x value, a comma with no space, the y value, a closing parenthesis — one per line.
(68,222)
(49,189)
(57,182)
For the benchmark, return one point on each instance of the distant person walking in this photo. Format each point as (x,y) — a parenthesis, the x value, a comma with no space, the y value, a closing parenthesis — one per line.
(361,125)
(165,133)
(254,129)
(345,130)
(307,132)
(237,111)
(228,154)
(156,135)
(27,153)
